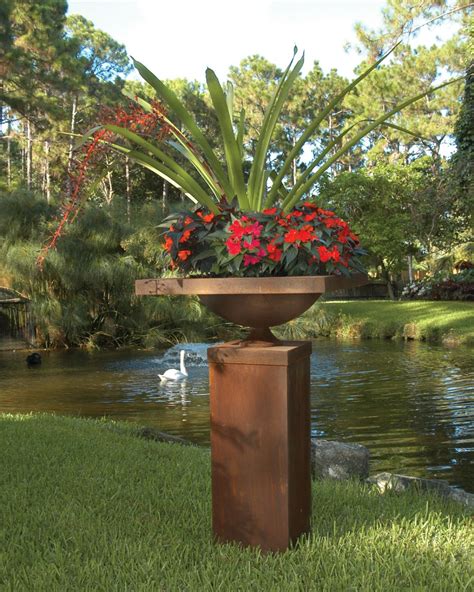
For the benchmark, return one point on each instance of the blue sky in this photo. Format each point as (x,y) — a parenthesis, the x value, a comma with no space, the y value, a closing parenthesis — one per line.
(180,38)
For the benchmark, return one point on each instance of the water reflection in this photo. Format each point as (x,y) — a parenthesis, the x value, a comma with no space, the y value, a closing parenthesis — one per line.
(411,404)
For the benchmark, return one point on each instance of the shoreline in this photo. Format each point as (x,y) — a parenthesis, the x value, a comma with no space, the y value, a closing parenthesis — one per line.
(446,323)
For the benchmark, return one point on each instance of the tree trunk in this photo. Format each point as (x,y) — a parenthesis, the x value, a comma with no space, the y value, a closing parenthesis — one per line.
(109,188)
(72,129)
(386,277)
(29,155)
(128,188)
(9,155)
(23,158)
(410,268)
(47,175)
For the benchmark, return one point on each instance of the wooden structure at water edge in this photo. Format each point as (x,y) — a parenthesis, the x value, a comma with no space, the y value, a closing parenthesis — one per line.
(16,326)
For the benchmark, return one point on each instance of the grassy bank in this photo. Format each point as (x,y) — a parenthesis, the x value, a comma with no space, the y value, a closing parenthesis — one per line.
(88,506)
(451,323)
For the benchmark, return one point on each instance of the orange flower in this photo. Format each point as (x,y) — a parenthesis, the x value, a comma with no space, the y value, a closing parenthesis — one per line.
(183,255)
(184,237)
(206,217)
(168,243)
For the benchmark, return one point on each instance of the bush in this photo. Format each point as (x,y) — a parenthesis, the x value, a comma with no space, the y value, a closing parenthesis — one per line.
(457,286)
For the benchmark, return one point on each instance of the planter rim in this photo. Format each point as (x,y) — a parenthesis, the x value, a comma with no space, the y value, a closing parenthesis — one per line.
(316,284)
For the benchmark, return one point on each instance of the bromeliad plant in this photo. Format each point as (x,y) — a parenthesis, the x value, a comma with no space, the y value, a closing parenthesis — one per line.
(222,182)
(224,190)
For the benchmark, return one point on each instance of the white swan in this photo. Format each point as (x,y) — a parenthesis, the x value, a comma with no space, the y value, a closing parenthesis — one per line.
(176,374)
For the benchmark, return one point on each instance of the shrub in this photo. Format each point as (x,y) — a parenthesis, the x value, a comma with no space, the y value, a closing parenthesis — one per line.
(457,286)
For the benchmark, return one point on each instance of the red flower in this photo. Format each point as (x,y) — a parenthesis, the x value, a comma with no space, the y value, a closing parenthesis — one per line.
(233,245)
(326,213)
(188,220)
(183,255)
(251,260)
(343,233)
(270,211)
(274,253)
(324,254)
(331,222)
(237,229)
(253,244)
(307,233)
(310,217)
(336,256)
(255,229)
(291,236)
(354,237)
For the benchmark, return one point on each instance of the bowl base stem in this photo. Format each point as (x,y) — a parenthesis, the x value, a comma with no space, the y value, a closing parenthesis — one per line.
(260,337)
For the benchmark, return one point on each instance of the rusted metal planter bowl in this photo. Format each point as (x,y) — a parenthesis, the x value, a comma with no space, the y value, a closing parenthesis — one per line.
(258,303)
(259,311)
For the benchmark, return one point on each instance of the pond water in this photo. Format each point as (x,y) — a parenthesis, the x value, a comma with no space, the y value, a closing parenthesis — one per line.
(411,404)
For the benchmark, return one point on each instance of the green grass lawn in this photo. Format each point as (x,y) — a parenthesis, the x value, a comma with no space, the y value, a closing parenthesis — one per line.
(86,505)
(451,323)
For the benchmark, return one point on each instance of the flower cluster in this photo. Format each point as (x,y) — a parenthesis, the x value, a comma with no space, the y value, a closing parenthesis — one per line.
(152,124)
(307,241)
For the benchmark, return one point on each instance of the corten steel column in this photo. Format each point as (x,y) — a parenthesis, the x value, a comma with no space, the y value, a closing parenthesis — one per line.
(260,442)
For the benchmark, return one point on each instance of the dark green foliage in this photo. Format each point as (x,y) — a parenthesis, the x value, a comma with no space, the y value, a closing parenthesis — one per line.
(462,164)
(85,293)
(398,211)
(30,64)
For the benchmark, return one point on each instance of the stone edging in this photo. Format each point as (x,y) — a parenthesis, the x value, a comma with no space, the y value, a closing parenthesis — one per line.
(341,461)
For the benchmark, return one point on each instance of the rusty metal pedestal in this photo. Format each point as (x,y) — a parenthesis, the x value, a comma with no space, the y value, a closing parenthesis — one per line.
(260,442)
